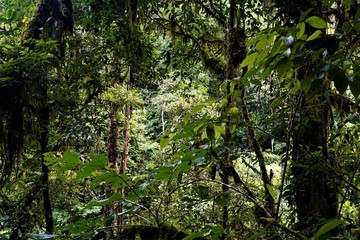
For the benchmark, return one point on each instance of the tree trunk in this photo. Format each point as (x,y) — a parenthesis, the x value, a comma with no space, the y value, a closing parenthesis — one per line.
(44,136)
(112,161)
(112,140)
(314,186)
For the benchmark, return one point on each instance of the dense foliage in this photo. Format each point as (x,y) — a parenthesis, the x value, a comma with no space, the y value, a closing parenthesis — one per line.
(179,119)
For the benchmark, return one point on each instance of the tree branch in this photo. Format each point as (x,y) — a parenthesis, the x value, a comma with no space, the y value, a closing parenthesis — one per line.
(215,14)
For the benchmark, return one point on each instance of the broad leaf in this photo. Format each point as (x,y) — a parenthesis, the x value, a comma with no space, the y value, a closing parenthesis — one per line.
(328,227)
(301,31)
(97,162)
(315,35)
(249,60)
(164,141)
(202,233)
(271,191)
(316,22)
(276,102)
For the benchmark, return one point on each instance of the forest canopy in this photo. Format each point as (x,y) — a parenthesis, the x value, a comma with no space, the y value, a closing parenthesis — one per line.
(171,119)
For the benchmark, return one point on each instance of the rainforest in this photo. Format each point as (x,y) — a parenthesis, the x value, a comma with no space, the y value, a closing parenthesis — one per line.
(179,119)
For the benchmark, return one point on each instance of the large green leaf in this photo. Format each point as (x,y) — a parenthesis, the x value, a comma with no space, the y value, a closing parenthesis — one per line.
(332,224)
(315,35)
(316,22)
(271,191)
(97,162)
(111,179)
(163,173)
(194,235)
(164,141)
(301,31)
(70,161)
(249,60)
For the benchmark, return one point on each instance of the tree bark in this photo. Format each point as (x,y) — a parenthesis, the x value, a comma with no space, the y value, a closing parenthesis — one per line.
(313,185)
(112,161)
(44,116)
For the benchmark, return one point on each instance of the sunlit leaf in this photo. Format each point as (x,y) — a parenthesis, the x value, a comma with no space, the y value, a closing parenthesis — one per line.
(301,31)
(164,141)
(249,60)
(97,162)
(316,22)
(315,35)
(271,191)
(196,234)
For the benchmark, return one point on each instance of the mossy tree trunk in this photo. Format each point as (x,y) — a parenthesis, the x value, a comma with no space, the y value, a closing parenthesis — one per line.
(314,185)
(40,27)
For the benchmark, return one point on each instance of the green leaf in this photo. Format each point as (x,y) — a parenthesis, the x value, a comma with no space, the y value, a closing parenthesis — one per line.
(315,35)
(306,83)
(340,79)
(50,158)
(222,199)
(164,141)
(71,157)
(271,191)
(301,31)
(262,55)
(284,67)
(305,14)
(332,224)
(316,22)
(163,173)
(197,234)
(115,197)
(70,160)
(188,131)
(276,101)
(193,154)
(233,111)
(258,235)
(249,60)
(197,108)
(265,40)
(110,178)
(218,131)
(97,162)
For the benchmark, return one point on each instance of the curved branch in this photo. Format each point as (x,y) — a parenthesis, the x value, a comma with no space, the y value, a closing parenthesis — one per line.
(213,12)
